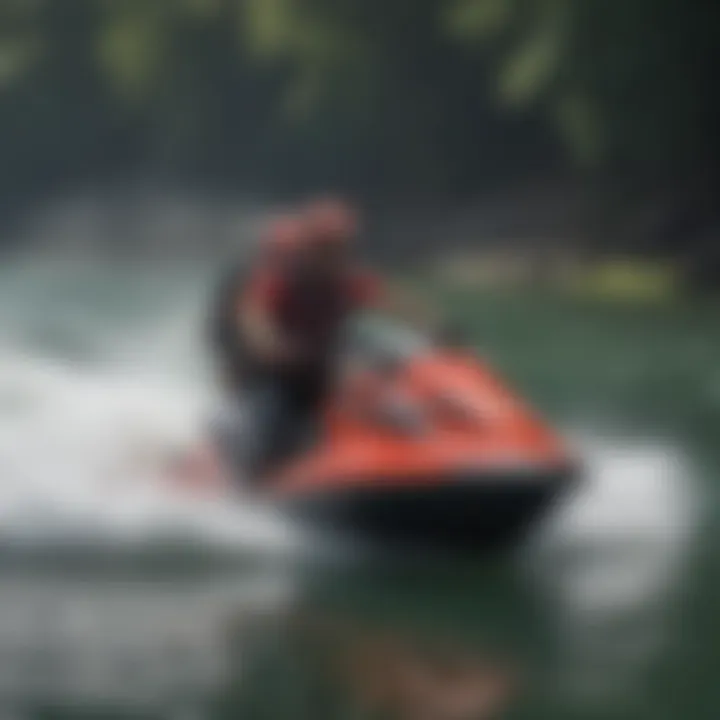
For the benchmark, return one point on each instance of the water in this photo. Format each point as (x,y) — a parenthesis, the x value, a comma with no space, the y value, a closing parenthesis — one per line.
(117,596)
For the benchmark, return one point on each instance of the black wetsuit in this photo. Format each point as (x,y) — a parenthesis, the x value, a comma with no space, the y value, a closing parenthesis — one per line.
(269,411)
(224,339)
(279,406)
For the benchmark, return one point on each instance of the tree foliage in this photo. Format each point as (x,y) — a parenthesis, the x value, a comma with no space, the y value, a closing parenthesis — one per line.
(401,95)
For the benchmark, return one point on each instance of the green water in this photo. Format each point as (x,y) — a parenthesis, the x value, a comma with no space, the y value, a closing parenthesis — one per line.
(612,616)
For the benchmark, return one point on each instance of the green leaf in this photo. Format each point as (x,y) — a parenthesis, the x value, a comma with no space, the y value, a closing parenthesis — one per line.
(272,27)
(531,68)
(478,19)
(201,8)
(580,122)
(17,55)
(133,47)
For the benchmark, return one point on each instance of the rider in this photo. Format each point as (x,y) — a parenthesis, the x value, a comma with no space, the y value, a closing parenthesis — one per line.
(288,316)
(278,241)
(290,319)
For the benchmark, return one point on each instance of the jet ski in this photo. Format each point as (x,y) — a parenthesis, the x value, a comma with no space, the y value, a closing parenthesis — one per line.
(422,445)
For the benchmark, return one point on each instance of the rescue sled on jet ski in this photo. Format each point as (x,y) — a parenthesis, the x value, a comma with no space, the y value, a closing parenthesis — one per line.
(422,445)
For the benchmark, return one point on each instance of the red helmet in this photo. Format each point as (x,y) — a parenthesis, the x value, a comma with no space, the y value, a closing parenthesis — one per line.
(284,235)
(331,220)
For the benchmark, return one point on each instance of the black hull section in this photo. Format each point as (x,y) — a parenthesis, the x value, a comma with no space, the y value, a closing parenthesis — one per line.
(467,514)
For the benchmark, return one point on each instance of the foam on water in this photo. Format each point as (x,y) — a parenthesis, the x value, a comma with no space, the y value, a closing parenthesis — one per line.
(80,457)
(82,442)
(78,441)
(612,561)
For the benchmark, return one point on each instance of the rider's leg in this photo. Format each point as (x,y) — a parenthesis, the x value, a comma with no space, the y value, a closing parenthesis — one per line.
(271,422)
(228,431)
(268,413)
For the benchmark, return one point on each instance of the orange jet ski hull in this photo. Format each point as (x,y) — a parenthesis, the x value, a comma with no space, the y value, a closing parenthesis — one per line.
(435,452)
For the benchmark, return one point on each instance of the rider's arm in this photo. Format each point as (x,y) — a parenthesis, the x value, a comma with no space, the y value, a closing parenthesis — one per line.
(397,300)
(410,306)
(260,333)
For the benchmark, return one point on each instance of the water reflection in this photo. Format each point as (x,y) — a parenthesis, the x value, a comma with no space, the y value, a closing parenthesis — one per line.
(590,622)
(392,675)
(233,647)
(132,645)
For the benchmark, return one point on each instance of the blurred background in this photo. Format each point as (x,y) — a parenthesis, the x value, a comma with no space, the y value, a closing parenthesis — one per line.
(547,170)
(585,127)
